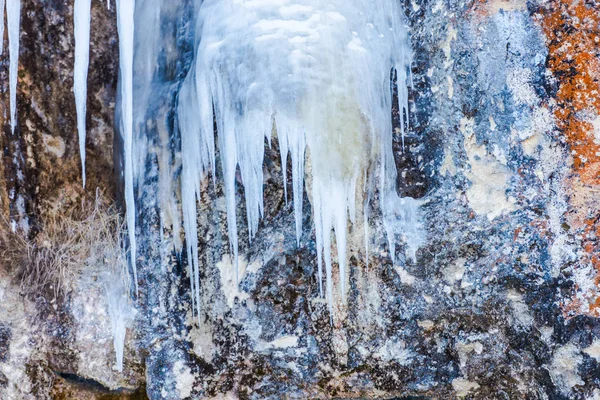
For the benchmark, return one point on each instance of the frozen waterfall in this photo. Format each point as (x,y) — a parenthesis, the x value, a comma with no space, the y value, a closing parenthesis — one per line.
(314,76)
(315,73)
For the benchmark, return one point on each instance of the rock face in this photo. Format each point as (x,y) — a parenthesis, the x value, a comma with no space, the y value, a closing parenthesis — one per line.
(501,301)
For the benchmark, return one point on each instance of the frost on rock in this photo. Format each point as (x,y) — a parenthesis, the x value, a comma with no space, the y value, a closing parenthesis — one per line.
(13,18)
(81,17)
(317,75)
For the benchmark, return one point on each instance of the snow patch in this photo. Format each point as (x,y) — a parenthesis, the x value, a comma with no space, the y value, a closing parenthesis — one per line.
(519,84)
(520,309)
(564,366)
(489,177)
(455,272)
(184,379)
(462,386)
(593,350)
(395,350)
(283,342)
(230,278)
(405,277)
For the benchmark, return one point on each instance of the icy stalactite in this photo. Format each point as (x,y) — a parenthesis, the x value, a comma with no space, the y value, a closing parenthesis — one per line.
(82,19)
(2,26)
(120,310)
(318,75)
(125,26)
(13,18)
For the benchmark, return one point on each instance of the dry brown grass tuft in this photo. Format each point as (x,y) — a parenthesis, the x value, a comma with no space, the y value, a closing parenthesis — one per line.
(87,235)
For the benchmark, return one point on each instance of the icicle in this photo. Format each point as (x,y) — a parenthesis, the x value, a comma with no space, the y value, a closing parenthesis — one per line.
(2,26)
(284,151)
(125,10)
(13,16)
(82,19)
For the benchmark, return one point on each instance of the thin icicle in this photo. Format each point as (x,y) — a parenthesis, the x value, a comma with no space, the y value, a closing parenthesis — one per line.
(82,20)
(367,190)
(2,26)
(13,16)
(125,11)
(292,142)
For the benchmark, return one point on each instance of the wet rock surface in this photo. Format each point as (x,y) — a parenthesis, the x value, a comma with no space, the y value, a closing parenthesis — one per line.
(500,302)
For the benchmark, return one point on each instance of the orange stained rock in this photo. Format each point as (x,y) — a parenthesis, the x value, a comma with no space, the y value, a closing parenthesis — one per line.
(573,32)
(572,29)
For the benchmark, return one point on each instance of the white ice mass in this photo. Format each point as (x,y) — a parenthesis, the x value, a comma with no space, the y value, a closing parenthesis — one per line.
(317,75)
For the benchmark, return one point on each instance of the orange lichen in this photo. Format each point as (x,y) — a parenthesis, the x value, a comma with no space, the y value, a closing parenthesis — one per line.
(573,33)
(572,29)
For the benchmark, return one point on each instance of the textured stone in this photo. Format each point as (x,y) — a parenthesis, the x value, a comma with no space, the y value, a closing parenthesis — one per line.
(501,301)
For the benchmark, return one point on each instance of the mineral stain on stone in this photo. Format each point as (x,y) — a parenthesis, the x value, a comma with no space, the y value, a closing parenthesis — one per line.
(573,38)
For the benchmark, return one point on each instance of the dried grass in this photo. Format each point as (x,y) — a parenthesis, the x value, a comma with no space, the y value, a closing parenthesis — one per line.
(89,235)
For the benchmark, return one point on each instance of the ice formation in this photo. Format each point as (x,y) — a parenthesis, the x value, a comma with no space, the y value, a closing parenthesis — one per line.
(13,18)
(81,18)
(2,26)
(125,26)
(120,310)
(317,75)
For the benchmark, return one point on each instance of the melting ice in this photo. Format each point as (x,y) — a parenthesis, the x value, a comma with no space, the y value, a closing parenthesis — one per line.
(315,73)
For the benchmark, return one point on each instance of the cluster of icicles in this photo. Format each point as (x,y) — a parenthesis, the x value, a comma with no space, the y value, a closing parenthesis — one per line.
(317,75)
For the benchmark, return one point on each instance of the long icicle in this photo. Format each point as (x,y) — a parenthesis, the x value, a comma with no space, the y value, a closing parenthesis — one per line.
(13,16)
(125,20)
(82,19)
(2,26)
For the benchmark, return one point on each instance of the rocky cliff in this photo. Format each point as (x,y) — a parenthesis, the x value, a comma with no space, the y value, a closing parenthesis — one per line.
(501,157)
